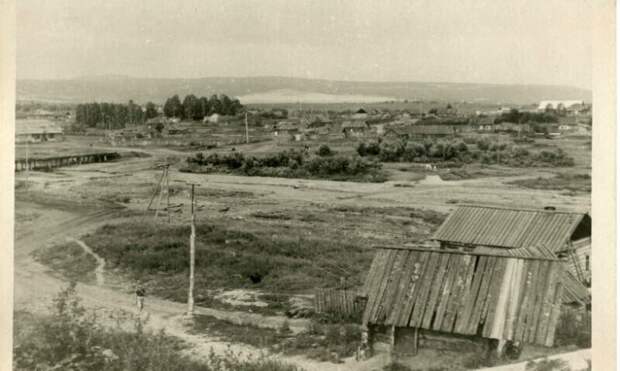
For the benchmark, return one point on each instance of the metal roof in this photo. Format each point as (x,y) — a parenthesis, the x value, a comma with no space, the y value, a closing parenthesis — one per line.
(509,228)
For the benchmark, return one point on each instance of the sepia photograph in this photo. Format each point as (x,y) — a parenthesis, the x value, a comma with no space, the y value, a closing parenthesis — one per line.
(310,185)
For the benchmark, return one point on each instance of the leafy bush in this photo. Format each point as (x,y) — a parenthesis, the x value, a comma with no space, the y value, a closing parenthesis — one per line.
(324,150)
(293,164)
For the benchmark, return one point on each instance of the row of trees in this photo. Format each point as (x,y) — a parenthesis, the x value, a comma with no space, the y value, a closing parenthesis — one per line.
(194,108)
(518,117)
(112,115)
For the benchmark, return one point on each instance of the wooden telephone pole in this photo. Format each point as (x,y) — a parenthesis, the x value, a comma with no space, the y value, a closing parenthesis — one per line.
(247,136)
(163,186)
(192,258)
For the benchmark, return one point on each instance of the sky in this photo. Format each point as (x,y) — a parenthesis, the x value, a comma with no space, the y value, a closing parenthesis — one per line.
(480,41)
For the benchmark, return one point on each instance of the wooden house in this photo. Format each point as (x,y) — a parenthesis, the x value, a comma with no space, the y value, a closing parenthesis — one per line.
(287,130)
(355,128)
(37,131)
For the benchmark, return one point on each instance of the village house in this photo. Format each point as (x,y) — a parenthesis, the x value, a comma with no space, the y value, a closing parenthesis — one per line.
(287,130)
(360,114)
(355,128)
(37,131)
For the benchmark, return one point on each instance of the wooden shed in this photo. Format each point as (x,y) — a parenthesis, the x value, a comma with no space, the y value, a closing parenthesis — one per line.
(565,233)
(413,290)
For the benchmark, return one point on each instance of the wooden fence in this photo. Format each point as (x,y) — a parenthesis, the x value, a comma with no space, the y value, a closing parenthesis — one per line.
(339,302)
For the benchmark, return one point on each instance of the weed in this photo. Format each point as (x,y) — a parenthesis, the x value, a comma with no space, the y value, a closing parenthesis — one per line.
(547,365)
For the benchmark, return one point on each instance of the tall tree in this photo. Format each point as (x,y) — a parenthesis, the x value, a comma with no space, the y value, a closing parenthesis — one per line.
(173,107)
(151,111)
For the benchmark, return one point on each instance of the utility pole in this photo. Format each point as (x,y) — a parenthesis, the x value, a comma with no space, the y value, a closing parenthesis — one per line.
(192,258)
(247,137)
(27,166)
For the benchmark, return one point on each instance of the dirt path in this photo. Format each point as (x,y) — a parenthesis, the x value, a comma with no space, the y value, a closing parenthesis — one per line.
(100,278)
(35,286)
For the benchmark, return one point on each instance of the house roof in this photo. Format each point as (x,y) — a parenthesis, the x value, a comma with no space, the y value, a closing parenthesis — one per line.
(356,124)
(36,126)
(509,228)
(453,291)
(287,125)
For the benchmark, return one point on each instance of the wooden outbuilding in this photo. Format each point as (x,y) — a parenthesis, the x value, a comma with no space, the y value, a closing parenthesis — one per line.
(414,292)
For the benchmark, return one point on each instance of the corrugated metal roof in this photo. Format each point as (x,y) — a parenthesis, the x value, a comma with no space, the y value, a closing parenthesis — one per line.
(508,228)
(466,293)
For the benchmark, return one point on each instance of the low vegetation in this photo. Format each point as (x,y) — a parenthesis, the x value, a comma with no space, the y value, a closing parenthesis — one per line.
(560,181)
(455,153)
(225,258)
(290,164)
(70,260)
(574,328)
(72,338)
(324,342)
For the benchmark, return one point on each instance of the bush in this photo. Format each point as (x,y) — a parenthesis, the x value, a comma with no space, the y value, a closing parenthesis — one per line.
(324,150)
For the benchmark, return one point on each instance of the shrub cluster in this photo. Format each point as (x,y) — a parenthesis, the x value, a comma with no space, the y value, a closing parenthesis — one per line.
(291,164)
(407,151)
(457,152)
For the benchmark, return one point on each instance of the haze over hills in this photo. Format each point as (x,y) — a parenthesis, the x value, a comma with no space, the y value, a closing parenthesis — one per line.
(284,90)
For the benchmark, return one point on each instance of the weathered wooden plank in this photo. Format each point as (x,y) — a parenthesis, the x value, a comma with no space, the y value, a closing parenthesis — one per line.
(422,293)
(481,301)
(555,314)
(374,284)
(535,309)
(523,301)
(445,292)
(413,277)
(465,293)
(385,281)
(395,279)
(543,280)
(528,301)
(494,293)
(441,272)
(457,289)
(543,323)
(513,299)
(464,317)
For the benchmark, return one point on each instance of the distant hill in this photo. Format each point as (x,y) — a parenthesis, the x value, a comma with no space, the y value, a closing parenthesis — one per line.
(271,89)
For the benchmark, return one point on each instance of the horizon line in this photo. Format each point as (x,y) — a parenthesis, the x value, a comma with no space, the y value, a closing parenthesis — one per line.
(122,76)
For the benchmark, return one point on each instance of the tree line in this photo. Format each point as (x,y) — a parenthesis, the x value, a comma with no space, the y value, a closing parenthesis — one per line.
(112,115)
(194,108)
(118,116)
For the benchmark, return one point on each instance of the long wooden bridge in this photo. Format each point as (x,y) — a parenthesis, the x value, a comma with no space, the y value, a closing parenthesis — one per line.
(49,163)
